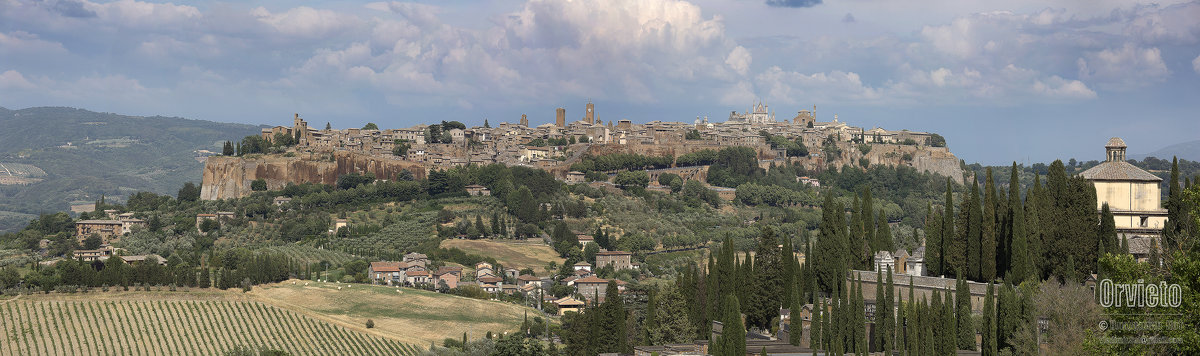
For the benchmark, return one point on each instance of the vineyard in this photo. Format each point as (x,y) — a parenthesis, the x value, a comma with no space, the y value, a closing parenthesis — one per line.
(174,327)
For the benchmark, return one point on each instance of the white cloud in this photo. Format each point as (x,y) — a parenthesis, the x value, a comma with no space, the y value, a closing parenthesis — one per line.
(12,79)
(1058,87)
(739,60)
(306,21)
(1196,64)
(1123,68)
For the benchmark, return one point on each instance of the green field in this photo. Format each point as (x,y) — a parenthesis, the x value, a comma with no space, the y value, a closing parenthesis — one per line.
(161,325)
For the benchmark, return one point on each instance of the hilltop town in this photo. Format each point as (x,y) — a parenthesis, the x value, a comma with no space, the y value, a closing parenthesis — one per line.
(556,147)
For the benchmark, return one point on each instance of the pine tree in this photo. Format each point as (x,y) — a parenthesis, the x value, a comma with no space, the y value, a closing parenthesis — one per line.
(987,240)
(966,329)
(671,318)
(989,323)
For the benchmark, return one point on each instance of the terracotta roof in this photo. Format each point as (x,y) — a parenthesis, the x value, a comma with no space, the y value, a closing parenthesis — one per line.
(417,274)
(385,266)
(98,222)
(1119,171)
(569,301)
(591,279)
(583,263)
(613,253)
(490,279)
(526,277)
(1115,142)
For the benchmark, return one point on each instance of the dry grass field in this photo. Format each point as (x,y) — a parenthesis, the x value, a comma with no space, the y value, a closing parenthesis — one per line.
(509,254)
(173,323)
(409,315)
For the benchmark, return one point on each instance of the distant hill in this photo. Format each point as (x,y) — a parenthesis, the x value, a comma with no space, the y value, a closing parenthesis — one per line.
(53,156)
(1185,150)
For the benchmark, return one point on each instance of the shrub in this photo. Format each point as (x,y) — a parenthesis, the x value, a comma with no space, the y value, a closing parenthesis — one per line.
(370,324)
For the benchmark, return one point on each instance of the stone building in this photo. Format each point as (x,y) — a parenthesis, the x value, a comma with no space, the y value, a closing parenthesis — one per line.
(1132,194)
(618,259)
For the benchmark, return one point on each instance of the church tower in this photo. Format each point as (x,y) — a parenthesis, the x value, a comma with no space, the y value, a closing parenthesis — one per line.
(524,120)
(560,117)
(590,115)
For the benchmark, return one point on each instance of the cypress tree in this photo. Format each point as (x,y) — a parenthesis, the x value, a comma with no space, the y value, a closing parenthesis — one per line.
(974,234)
(788,273)
(837,327)
(914,326)
(650,322)
(860,317)
(935,313)
(869,233)
(1033,230)
(1008,315)
(814,331)
(1107,232)
(880,309)
(883,233)
(966,329)
(831,250)
(933,240)
(857,235)
(987,240)
(948,264)
(1021,265)
(948,331)
(889,324)
(989,323)
(732,341)
(767,293)
(902,328)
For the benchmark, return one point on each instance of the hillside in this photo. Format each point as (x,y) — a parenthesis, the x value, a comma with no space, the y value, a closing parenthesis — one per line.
(158,323)
(1185,150)
(409,315)
(54,156)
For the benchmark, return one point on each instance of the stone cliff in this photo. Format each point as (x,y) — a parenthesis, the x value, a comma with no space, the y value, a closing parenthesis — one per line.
(230,177)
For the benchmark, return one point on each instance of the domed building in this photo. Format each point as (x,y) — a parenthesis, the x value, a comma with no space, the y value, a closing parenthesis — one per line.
(1133,195)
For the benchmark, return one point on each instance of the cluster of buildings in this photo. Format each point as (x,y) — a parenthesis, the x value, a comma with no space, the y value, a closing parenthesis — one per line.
(510,143)
(412,271)
(109,230)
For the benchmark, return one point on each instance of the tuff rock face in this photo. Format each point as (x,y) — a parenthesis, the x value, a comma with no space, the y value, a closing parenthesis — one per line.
(230,177)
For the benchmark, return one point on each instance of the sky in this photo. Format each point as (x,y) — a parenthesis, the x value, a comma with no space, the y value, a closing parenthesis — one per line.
(1017,80)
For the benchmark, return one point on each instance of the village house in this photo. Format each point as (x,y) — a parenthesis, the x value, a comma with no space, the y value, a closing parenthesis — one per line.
(139,259)
(618,259)
(568,304)
(108,230)
(484,269)
(582,266)
(416,259)
(477,190)
(592,287)
(417,277)
(525,279)
(385,272)
(281,201)
(449,277)
(101,254)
